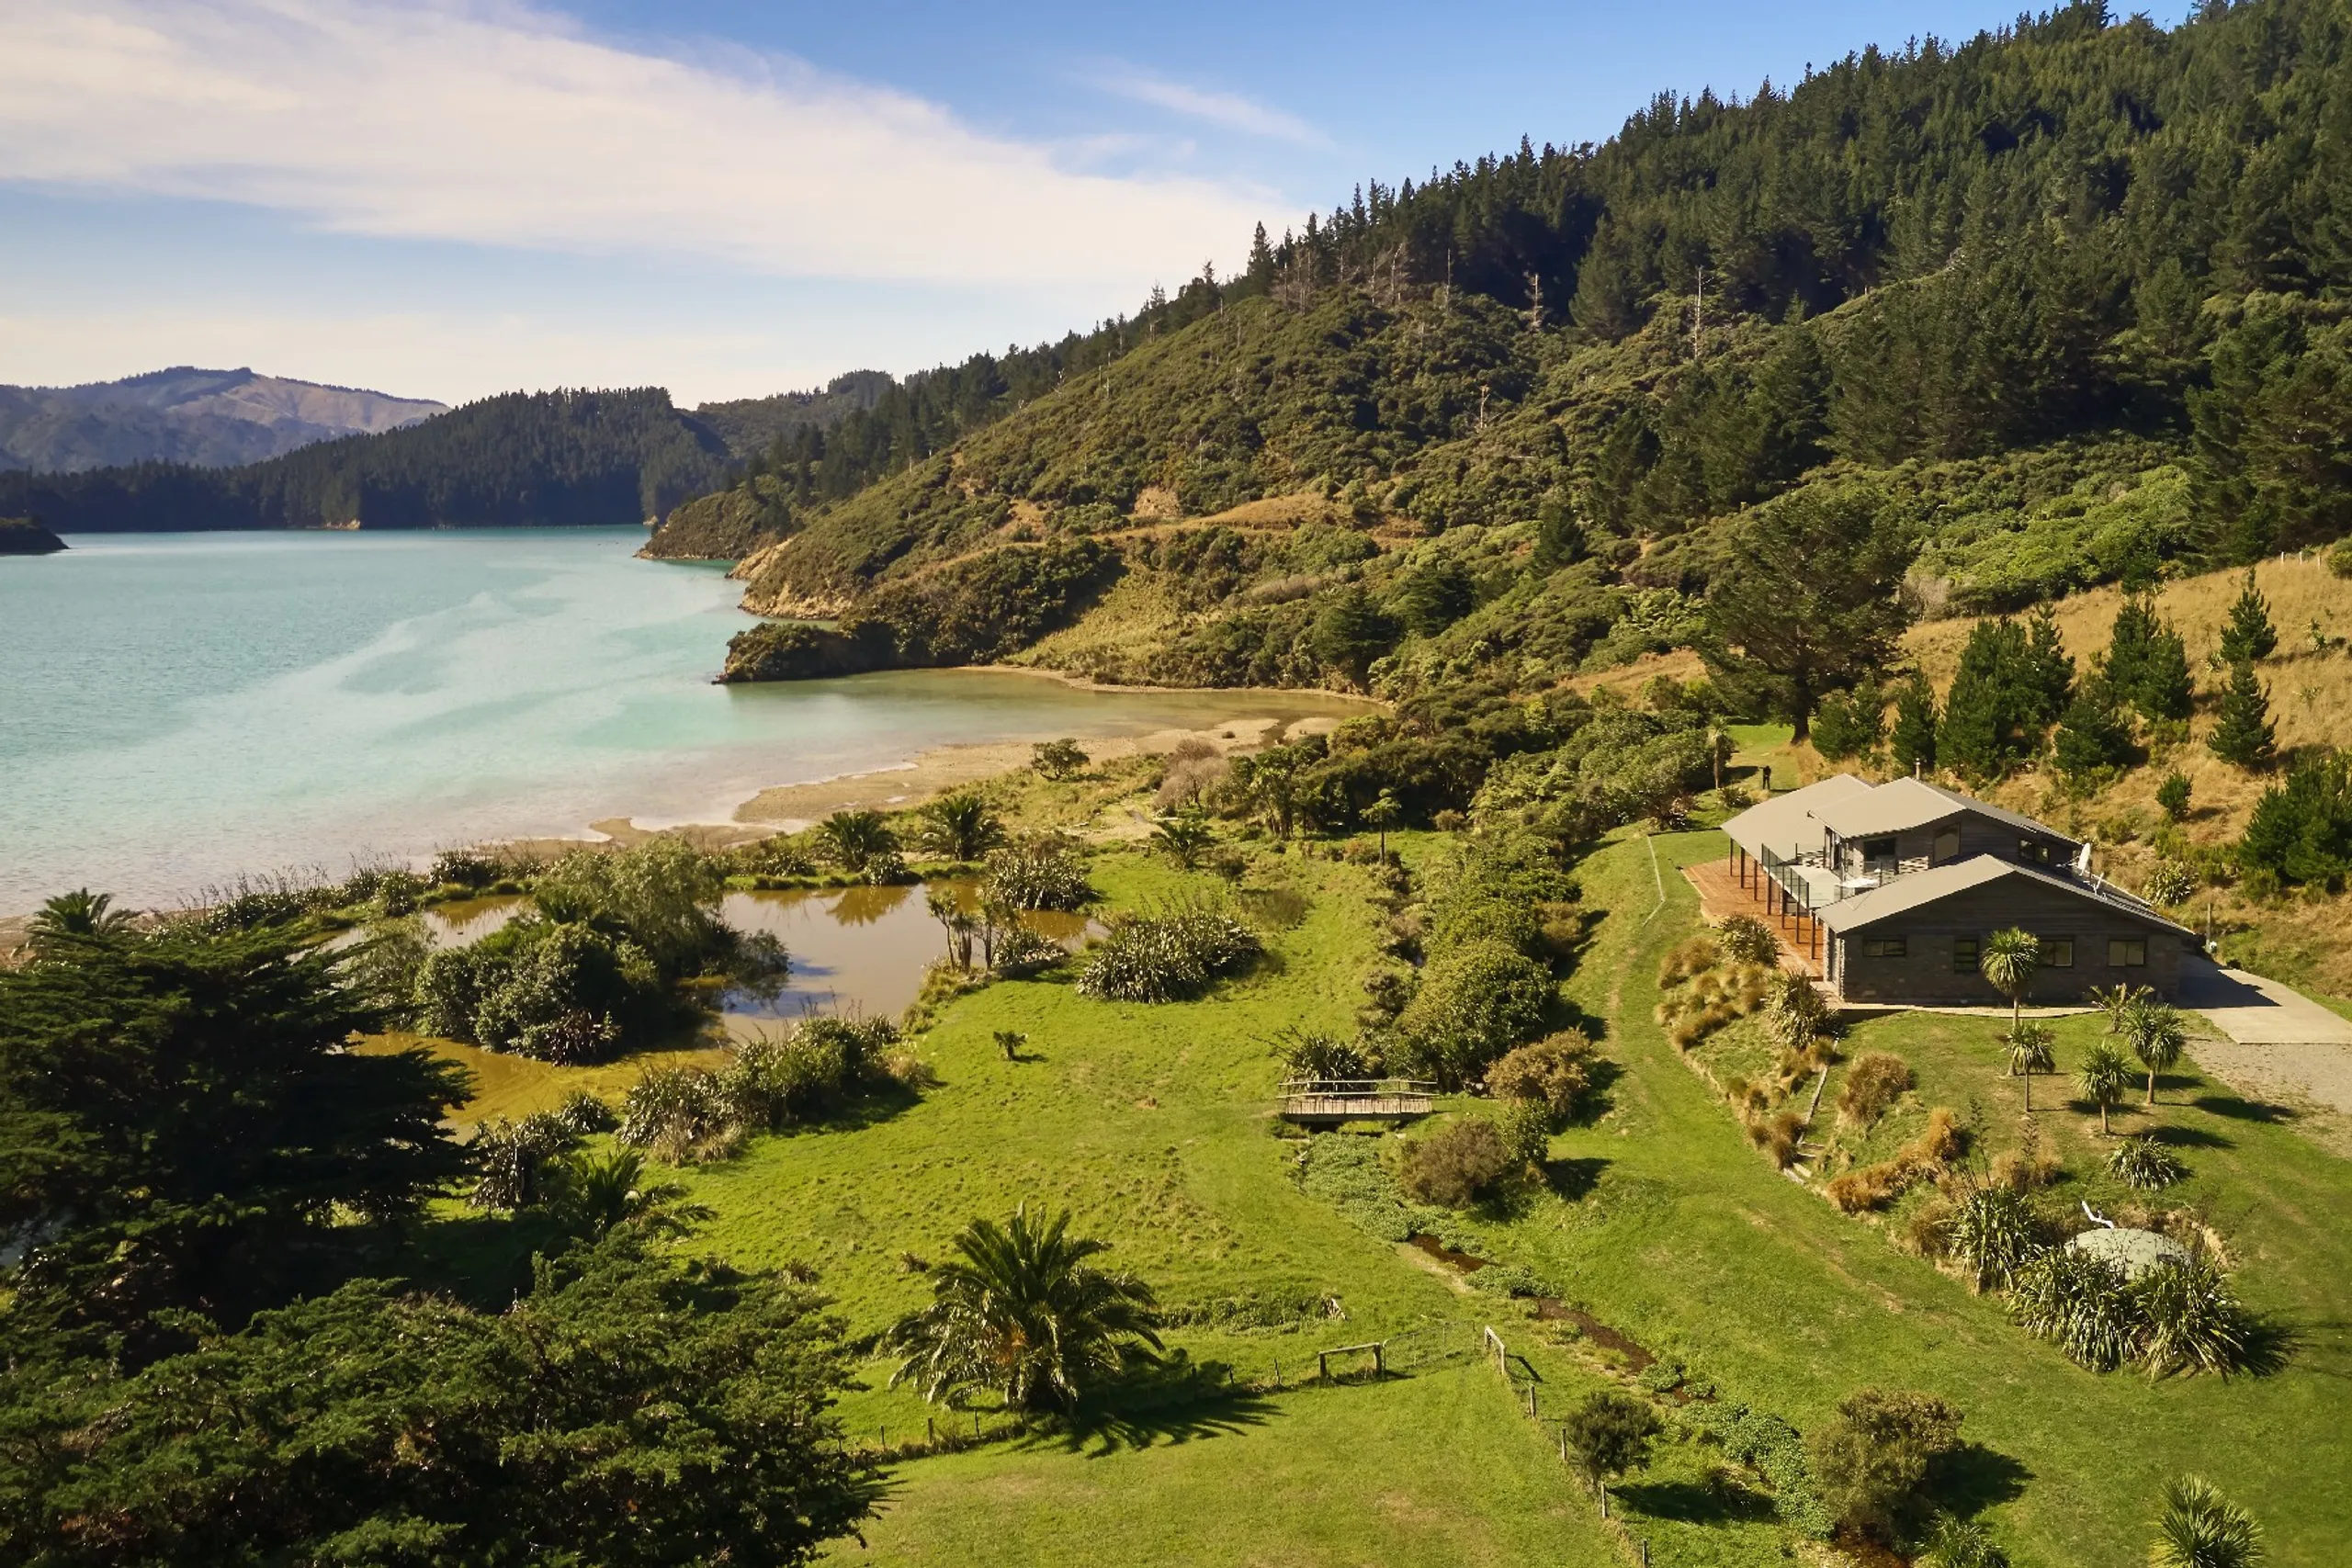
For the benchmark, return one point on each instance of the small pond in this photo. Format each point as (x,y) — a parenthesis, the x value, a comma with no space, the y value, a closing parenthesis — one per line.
(855,951)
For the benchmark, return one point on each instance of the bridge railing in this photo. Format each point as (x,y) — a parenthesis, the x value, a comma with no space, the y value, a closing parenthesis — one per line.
(1357,1088)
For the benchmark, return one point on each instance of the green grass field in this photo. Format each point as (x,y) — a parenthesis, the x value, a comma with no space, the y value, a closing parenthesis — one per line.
(1152,1125)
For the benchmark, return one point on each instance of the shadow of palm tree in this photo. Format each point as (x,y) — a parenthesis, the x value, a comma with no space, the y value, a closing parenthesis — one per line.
(2240,1110)
(1179,1401)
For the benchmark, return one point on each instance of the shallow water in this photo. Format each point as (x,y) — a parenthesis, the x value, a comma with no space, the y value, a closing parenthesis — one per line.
(176,709)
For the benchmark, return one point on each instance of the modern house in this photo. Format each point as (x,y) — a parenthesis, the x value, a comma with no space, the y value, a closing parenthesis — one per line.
(1892,888)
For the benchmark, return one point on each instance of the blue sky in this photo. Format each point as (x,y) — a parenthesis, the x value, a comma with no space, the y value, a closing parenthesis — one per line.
(451,198)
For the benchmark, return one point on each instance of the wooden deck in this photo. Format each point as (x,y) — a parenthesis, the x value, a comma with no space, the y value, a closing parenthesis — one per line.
(1721,896)
(1371,1100)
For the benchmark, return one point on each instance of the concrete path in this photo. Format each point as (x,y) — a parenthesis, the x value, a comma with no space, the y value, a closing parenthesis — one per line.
(2275,1040)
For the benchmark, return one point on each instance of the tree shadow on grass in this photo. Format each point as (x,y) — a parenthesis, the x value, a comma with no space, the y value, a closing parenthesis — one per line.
(1719,1500)
(1574,1178)
(2189,1138)
(1973,1478)
(2238,1109)
(1179,1401)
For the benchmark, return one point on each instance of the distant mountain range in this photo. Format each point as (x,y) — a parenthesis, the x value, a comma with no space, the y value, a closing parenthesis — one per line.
(205,418)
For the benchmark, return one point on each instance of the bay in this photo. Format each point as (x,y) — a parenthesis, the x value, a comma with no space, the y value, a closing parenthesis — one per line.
(179,709)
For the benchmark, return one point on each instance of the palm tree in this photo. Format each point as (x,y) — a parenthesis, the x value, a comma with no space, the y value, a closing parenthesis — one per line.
(2008,961)
(855,838)
(2198,1528)
(2117,1002)
(961,827)
(76,916)
(1184,836)
(2157,1037)
(2104,1078)
(1382,814)
(2030,1052)
(1021,1311)
(601,1192)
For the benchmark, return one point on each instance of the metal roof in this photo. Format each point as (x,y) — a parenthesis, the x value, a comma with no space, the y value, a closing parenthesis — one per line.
(1921,888)
(1903,804)
(1790,825)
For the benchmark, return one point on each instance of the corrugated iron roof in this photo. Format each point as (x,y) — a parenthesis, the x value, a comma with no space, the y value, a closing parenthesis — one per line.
(1903,804)
(1790,825)
(1921,888)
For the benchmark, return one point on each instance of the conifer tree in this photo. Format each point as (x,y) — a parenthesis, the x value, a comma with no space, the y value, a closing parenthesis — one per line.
(2093,734)
(1913,743)
(1995,714)
(2049,669)
(2147,662)
(2242,733)
(2249,636)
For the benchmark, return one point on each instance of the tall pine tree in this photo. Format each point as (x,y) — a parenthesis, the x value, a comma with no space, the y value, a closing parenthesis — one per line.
(2249,636)
(2243,732)
(1913,743)
(2147,662)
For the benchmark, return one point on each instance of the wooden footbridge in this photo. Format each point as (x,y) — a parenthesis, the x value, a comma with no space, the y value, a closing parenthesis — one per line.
(1329,1102)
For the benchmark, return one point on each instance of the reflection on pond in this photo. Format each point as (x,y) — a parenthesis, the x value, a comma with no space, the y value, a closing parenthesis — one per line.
(862,949)
(859,951)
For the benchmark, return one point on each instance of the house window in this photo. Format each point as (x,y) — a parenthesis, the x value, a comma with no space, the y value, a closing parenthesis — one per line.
(1884,947)
(2126,951)
(1947,846)
(2058,952)
(1963,954)
(1878,854)
(2033,850)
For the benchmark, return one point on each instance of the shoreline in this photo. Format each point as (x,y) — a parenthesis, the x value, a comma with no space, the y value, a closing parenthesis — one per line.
(788,808)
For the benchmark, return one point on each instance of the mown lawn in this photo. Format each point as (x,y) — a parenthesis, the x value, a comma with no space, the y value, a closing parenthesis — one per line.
(1431,1469)
(1687,1238)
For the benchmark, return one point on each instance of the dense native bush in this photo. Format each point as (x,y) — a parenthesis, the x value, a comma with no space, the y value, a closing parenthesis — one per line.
(767,1083)
(1040,874)
(543,988)
(2177,1315)
(1166,954)
(1455,1165)
(1475,1002)
(1559,1072)
(1626,763)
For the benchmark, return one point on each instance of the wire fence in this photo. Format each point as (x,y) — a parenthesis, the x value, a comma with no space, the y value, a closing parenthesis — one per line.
(1528,1393)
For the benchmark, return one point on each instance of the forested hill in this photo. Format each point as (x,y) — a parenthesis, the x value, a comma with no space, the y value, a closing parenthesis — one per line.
(518,459)
(2059,305)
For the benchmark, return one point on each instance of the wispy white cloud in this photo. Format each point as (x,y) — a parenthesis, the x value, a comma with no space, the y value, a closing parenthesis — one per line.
(1231,110)
(508,125)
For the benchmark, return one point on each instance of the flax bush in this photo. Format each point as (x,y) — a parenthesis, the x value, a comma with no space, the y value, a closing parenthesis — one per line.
(1166,955)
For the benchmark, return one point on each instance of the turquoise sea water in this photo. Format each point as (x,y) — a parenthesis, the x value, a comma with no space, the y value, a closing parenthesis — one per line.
(178,709)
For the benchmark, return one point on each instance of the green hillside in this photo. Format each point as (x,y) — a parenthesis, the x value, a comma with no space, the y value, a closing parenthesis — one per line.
(2059,307)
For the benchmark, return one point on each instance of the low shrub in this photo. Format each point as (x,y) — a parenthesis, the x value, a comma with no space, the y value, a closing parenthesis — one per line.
(1875,1082)
(1040,874)
(1873,1463)
(2145,1166)
(511,1159)
(583,1113)
(1526,1129)
(2167,882)
(1166,956)
(674,1113)
(1511,1280)
(552,990)
(1455,1165)
(1688,960)
(1021,952)
(1779,1136)
(1557,1071)
(2079,1303)
(1747,939)
(1994,1232)
(1771,1448)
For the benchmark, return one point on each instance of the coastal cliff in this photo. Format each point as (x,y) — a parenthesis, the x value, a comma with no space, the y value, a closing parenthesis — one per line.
(28,536)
